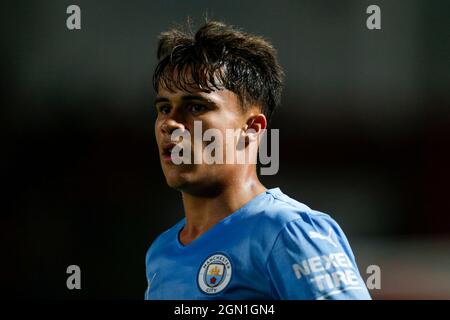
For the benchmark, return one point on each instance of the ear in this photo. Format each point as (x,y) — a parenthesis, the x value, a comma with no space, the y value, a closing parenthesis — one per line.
(255,126)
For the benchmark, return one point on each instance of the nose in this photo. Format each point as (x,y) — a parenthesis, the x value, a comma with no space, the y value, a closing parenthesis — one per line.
(170,125)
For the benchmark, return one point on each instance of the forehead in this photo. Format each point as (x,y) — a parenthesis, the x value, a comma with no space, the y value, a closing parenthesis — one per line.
(218,97)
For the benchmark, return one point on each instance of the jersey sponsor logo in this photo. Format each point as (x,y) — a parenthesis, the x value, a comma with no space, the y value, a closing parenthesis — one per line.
(328,238)
(214,274)
(331,274)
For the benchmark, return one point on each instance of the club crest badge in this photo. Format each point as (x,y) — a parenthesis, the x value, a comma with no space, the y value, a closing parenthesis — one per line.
(214,274)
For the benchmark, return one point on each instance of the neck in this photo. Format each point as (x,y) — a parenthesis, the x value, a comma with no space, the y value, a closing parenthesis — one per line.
(204,212)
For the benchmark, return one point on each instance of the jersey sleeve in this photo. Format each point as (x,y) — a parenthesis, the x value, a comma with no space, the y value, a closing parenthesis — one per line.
(311,259)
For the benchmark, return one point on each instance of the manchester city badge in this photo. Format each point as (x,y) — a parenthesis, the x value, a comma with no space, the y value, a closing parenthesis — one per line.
(214,274)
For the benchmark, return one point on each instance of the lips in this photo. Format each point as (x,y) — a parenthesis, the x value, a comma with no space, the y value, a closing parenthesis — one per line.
(167,148)
(166,152)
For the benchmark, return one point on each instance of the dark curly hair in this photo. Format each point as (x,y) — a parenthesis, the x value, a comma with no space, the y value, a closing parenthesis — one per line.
(219,56)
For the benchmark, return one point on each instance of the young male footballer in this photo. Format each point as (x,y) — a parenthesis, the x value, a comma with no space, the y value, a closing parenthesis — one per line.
(238,240)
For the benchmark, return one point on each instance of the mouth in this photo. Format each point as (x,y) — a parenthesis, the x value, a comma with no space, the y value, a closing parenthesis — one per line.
(166,154)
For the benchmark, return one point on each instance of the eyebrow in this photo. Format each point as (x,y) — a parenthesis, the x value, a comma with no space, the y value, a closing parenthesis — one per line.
(188,97)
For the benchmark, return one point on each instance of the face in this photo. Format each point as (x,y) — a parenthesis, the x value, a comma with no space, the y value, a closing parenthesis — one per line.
(220,110)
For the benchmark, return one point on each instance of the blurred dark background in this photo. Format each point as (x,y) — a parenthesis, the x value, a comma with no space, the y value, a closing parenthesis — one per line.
(364,132)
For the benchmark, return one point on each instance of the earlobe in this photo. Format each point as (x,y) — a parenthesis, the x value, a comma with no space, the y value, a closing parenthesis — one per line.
(252,134)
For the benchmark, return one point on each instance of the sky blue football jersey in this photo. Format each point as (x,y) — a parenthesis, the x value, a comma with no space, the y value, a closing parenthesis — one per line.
(272,248)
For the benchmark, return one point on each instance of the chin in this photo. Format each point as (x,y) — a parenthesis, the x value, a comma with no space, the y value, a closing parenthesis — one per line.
(175,179)
(176,184)
(199,187)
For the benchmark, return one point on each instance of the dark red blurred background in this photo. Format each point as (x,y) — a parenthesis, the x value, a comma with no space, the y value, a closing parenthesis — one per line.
(364,136)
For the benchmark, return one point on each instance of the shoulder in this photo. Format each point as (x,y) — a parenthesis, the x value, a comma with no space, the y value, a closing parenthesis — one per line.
(298,227)
(310,257)
(281,211)
(279,222)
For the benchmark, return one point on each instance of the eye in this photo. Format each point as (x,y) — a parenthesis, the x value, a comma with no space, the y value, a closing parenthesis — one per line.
(163,109)
(196,108)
